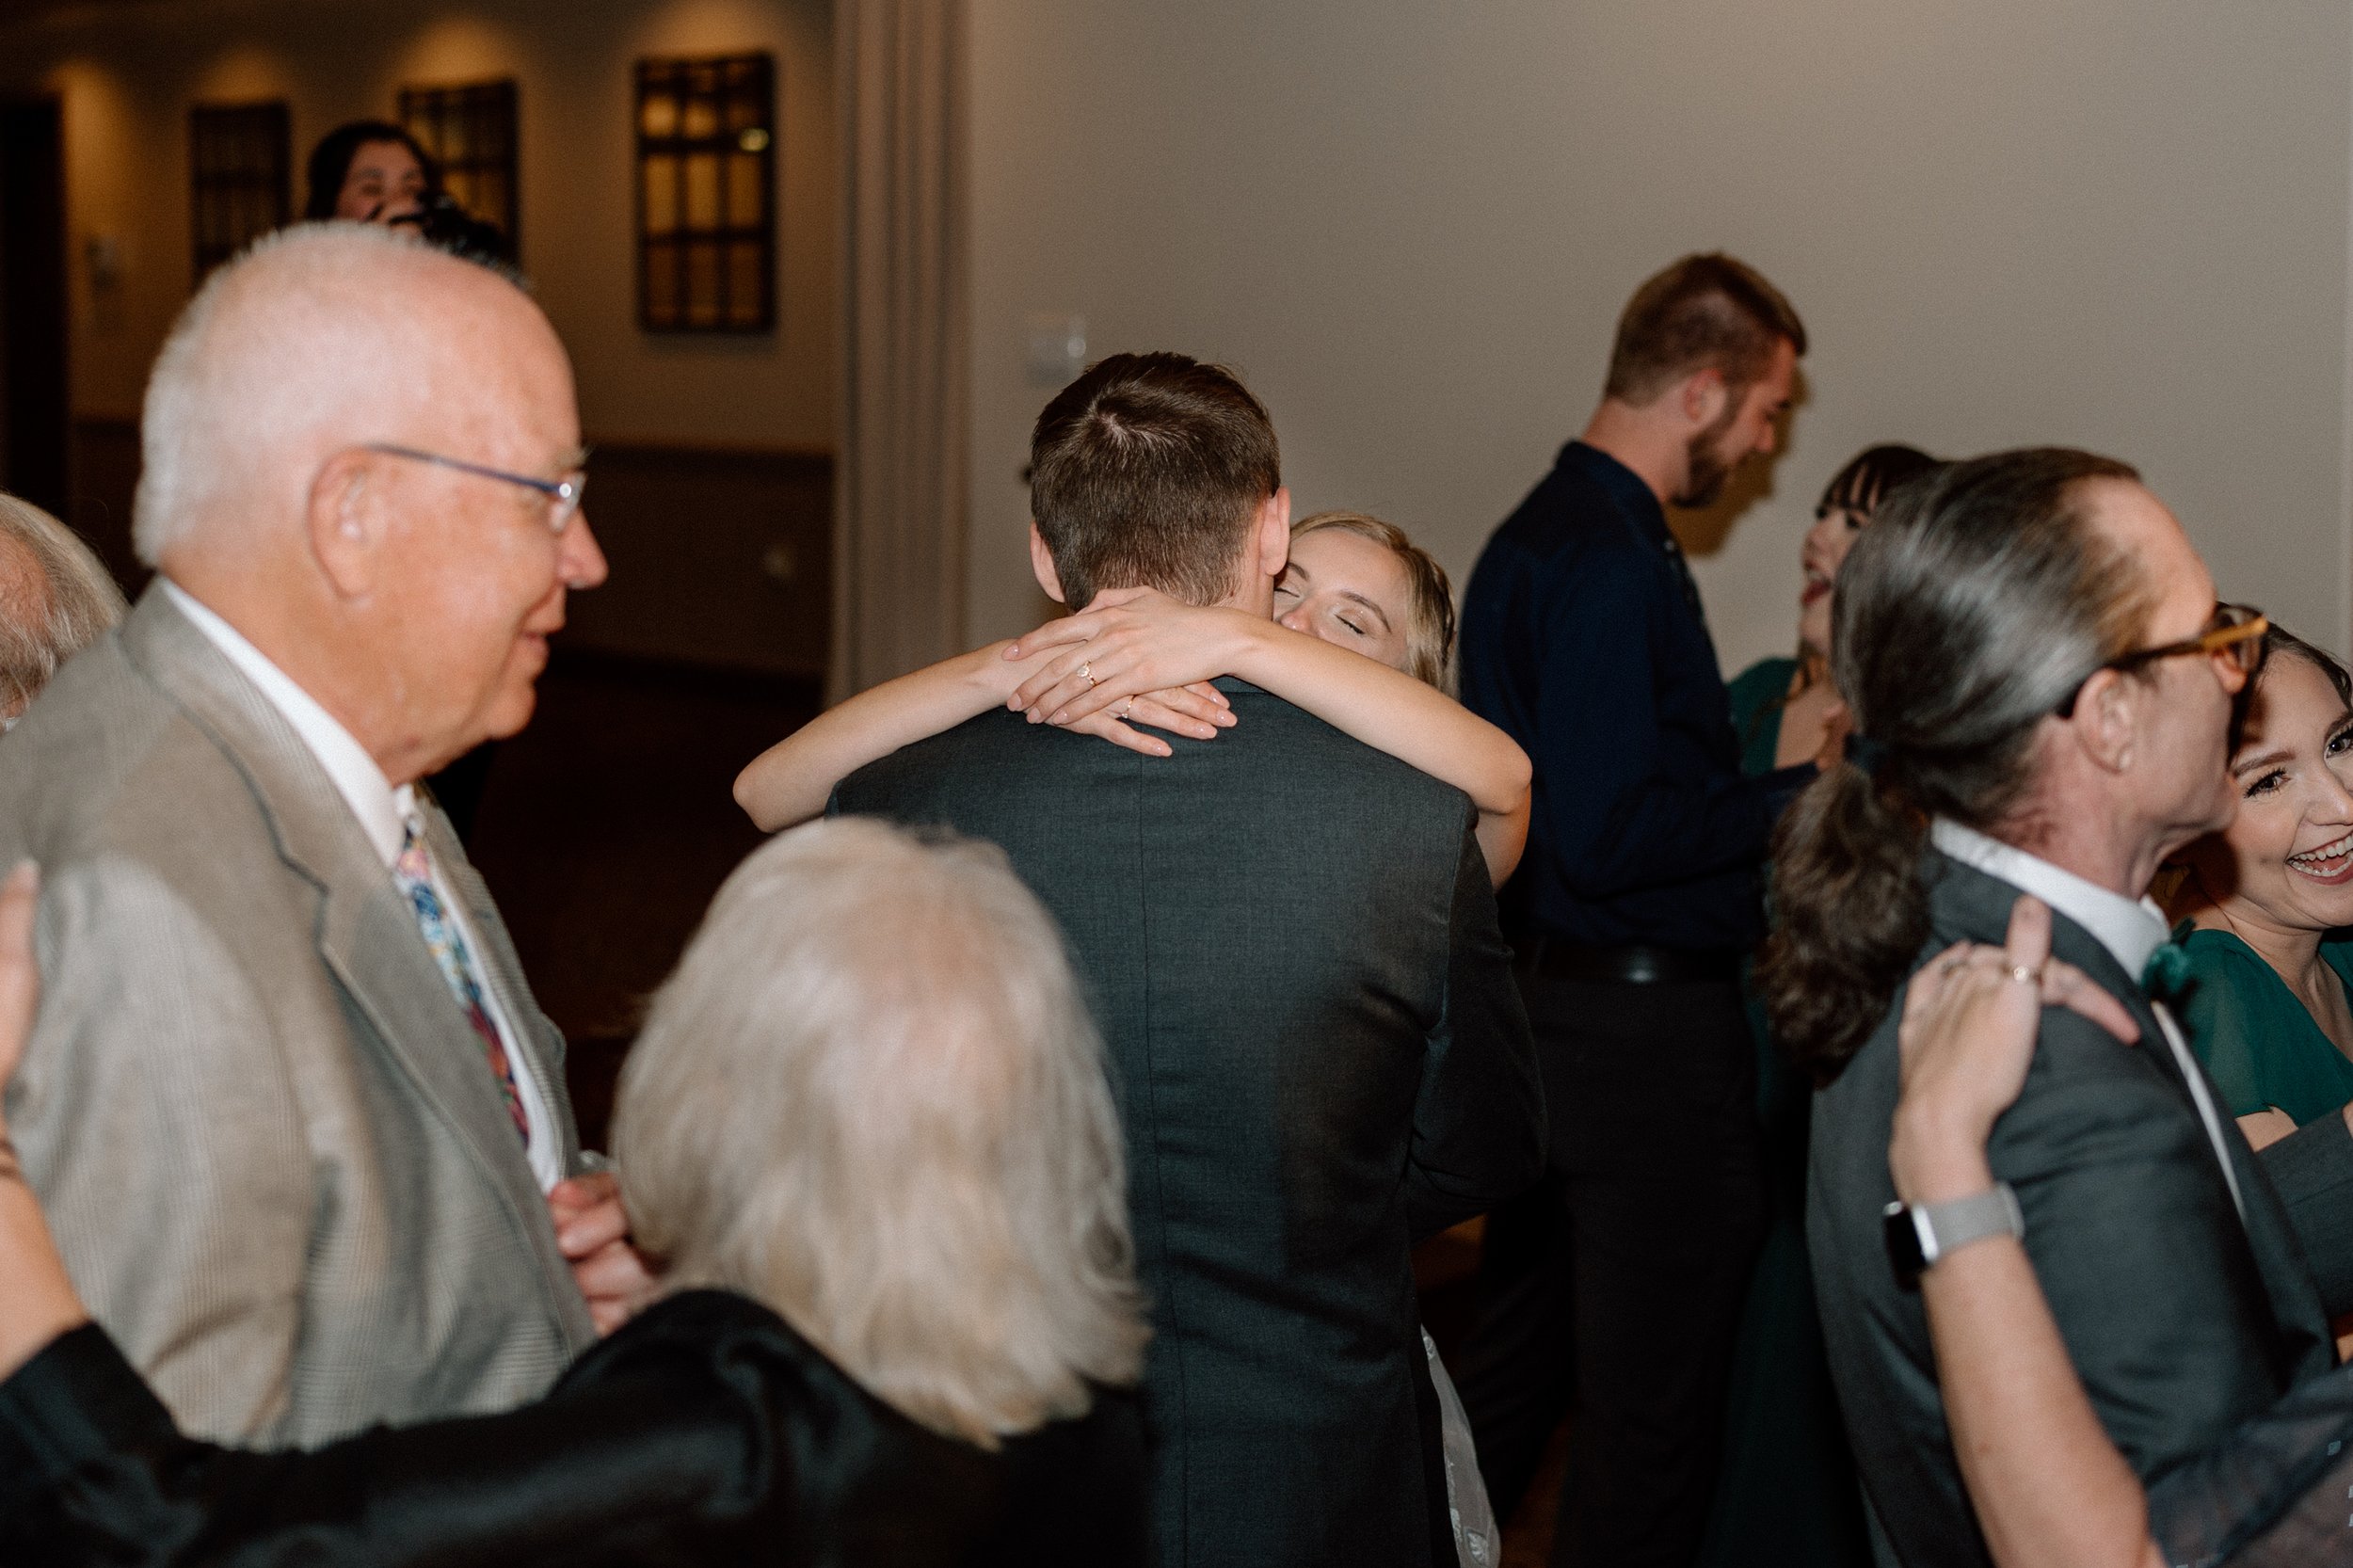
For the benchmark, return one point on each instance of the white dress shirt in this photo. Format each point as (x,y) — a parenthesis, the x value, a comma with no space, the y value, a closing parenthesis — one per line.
(2130,929)
(382,813)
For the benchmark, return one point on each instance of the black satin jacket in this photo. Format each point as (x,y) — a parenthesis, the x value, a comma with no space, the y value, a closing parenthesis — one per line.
(705,1432)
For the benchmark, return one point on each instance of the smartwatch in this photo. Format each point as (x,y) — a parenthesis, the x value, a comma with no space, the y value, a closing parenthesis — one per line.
(1917,1237)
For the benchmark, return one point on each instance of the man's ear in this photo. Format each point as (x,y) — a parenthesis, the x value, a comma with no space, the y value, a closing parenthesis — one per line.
(1271,539)
(2107,721)
(1703,396)
(1041,565)
(347,525)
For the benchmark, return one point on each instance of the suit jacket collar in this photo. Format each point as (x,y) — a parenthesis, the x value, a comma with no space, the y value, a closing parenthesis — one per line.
(347,763)
(1975,904)
(366,936)
(2130,929)
(1970,903)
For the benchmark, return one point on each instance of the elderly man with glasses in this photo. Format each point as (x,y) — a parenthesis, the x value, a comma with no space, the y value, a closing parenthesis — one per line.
(300,1122)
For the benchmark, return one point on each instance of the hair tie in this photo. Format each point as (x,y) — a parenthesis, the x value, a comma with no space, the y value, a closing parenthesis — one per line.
(1865,753)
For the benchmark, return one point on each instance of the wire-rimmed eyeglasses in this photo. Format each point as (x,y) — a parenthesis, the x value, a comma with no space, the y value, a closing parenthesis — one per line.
(2237,630)
(563,493)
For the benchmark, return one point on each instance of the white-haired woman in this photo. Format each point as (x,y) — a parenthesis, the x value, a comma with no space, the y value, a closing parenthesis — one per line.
(55,600)
(868,1127)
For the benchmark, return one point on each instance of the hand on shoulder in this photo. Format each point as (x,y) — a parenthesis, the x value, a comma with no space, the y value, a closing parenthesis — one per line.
(1132,654)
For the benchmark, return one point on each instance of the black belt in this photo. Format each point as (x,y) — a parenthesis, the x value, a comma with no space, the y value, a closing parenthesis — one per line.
(1634,964)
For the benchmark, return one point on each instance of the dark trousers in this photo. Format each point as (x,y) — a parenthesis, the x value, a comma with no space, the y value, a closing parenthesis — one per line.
(1612,1288)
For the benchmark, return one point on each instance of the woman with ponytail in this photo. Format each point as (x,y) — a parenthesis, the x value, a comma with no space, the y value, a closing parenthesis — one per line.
(2040,680)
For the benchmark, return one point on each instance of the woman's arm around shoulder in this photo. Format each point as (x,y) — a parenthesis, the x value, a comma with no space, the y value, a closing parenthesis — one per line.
(790,781)
(1135,640)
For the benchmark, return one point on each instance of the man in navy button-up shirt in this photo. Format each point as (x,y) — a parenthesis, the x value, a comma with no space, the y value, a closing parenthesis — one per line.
(1582,636)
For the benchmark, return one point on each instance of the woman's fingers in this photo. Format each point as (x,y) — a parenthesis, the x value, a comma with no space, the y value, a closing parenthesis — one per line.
(1971,1018)
(2065,986)
(1927,988)
(2029,950)
(2030,942)
(1112,674)
(1159,715)
(1208,693)
(1056,673)
(1104,727)
(1185,700)
(1079,694)
(1059,633)
(20,979)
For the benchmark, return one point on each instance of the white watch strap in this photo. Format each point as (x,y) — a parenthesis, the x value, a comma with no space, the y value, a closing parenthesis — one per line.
(1945,1228)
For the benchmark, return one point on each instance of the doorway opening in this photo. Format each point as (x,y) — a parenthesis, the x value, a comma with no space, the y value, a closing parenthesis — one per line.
(32,419)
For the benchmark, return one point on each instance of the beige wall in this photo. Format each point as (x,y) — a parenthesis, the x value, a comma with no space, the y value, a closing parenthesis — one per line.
(128,73)
(2117,223)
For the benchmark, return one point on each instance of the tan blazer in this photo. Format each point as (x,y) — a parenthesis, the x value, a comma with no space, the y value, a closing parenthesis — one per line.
(273,1153)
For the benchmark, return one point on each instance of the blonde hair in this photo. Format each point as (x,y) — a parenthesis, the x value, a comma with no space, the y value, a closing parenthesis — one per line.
(74,602)
(1430,610)
(870,1097)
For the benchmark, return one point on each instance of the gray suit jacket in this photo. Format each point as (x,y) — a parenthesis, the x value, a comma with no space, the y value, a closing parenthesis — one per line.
(271,1149)
(1291,943)
(2181,1320)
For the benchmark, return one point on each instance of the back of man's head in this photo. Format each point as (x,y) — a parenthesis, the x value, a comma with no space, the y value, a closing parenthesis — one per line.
(55,600)
(320,337)
(1149,471)
(1704,311)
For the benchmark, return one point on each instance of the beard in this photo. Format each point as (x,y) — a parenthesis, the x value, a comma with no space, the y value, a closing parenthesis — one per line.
(1705,467)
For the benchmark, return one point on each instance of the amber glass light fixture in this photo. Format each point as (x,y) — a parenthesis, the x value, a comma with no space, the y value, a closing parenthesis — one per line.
(706,204)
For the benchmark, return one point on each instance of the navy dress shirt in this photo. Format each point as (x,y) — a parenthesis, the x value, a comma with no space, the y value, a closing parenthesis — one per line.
(1583,638)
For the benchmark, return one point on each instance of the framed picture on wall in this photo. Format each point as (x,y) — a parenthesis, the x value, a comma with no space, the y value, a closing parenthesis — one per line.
(706,194)
(470,130)
(240,177)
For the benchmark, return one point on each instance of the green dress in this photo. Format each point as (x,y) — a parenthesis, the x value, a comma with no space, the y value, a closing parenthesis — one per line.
(1786,1491)
(2254,1034)
(1756,696)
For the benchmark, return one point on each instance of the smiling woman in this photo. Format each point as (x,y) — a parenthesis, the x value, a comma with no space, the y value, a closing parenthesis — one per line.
(2271,1011)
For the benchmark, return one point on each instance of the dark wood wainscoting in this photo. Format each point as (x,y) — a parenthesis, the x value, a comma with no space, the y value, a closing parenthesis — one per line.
(722,556)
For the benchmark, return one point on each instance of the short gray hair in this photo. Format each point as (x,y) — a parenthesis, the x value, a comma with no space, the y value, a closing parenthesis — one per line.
(47,621)
(292,347)
(871,1097)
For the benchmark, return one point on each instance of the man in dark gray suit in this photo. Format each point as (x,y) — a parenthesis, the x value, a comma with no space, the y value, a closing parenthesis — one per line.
(2036,660)
(1292,943)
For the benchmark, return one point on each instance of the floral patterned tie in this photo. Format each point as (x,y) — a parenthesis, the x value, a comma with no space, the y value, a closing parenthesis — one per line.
(413,874)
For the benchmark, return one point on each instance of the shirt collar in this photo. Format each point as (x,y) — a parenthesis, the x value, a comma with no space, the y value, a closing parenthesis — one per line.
(382,810)
(1624,487)
(2130,929)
